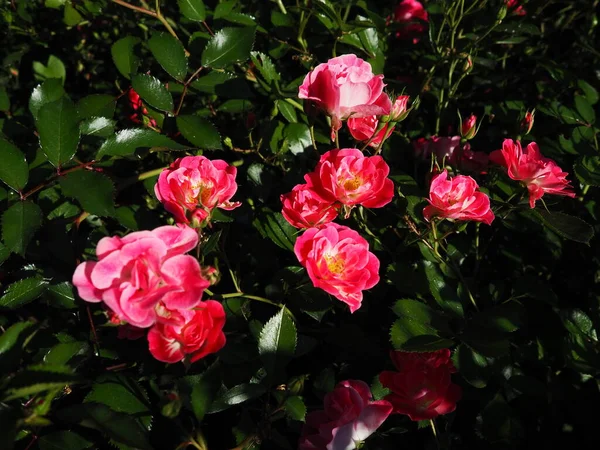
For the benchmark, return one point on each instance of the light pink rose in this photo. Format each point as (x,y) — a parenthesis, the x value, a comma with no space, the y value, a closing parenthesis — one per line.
(541,175)
(193,186)
(338,261)
(302,208)
(363,129)
(457,198)
(350,416)
(351,178)
(345,86)
(199,333)
(399,109)
(142,274)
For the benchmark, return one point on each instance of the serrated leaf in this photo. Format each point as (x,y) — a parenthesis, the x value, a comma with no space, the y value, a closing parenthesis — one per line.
(123,395)
(472,366)
(192,10)
(63,440)
(22,292)
(61,295)
(170,54)
(199,132)
(505,318)
(273,226)
(204,391)
(120,427)
(567,226)
(236,395)
(277,343)
(295,408)
(229,45)
(124,57)
(63,352)
(54,68)
(591,94)
(584,109)
(39,378)
(265,66)
(289,113)
(19,224)
(153,91)
(415,336)
(98,126)
(97,105)
(47,92)
(14,170)
(93,190)
(587,169)
(125,142)
(441,291)
(58,128)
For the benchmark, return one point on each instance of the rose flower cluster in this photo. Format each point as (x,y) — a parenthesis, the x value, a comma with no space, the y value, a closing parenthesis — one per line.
(146,279)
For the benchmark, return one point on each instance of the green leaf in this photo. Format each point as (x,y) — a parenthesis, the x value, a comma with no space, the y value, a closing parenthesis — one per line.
(192,10)
(127,141)
(441,291)
(97,105)
(12,342)
(295,408)
(153,91)
(415,336)
(273,226)
(4,99)
(199,132)
(587,169)
(504,318)
(47,92)
(205,391)
(63,352)
(123,54)
(584,109)
(56,4)
(472,366)
(591,94)
(22,292)
(19,224)
(277,343)
(566,226)
(265,66)
(120,427)
(485,342)
(61,295)
(13,169)
(39,378)
(123,395)
(236,395)
(54,68)
(289,112)
(229,45)
(58,127)
(98,126)
(64,440)
(170,54)
(422,313)
(71,16)
(578,322)
(93,190)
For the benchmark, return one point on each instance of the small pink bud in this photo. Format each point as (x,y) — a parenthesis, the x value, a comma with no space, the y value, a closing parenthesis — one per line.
(468,128)
(527,122)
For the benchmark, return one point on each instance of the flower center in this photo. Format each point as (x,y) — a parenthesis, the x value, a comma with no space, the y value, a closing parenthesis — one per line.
(335,264)
(352,184)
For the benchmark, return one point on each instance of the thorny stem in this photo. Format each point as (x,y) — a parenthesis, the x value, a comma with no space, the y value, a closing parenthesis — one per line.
(59,173)
(185,89)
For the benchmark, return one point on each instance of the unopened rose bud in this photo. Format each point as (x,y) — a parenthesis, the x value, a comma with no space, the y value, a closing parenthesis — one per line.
(399,110)
(527,122)
(502,13)
(171,405)
(296,385)
(468,64)
(468,128)
(211,274)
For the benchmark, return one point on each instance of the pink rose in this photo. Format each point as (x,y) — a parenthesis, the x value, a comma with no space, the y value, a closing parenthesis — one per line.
(199,333)
(351,178)
(409,13)
(345,86)
(540,175)
(141,274)
(514,6)
(422,388)
(302,208)
(458,199)
(363,129)
(338,261)
(448,150)
(350,416)
(399,109)
(194,185)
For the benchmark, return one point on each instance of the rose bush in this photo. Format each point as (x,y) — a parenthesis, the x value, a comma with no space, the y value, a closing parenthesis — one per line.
(218,220)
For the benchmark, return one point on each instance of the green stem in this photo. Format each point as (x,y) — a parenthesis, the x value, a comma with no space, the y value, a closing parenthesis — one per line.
(281,7)
(294,103)
(150,174)
(434,431)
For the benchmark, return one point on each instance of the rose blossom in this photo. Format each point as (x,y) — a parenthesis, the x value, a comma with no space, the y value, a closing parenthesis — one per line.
(457,198)
(139,111)
(363,129)
(409,13)
(449,150)
(515,7)
(141,274)
(303,209)
(338,261)
(351,178)
(345,86)
(197,335)
(422,387)
(350,416)
(541,175)
(193,186)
